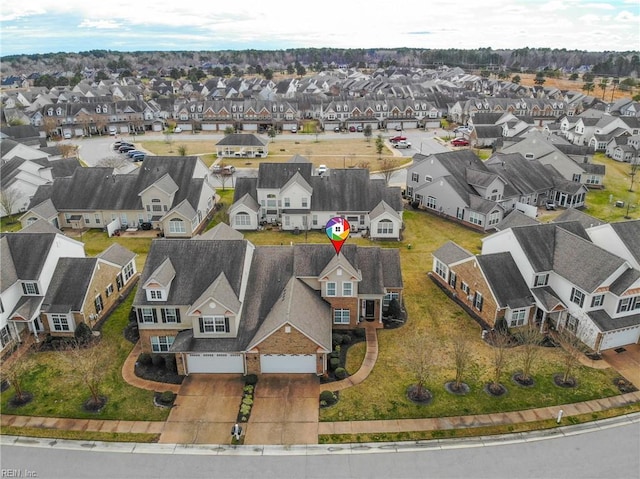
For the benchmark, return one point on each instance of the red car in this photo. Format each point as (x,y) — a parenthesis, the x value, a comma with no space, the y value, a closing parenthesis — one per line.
(460,142)
(398,138)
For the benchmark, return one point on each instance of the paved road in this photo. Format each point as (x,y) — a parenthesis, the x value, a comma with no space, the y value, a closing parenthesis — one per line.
(610,451)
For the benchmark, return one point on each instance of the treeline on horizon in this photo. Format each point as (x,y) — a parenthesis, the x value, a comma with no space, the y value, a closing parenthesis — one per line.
(523,59)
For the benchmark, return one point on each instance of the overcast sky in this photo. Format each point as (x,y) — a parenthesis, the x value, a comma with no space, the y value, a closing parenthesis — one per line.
(42,26)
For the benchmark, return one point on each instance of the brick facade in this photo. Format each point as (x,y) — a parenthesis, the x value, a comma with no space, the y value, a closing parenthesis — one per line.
(342,302)
(145,337)
(469,272)
(281,342)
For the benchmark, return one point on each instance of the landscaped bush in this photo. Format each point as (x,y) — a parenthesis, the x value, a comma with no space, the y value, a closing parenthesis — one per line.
(341,373)
(145,359)
(157,360)
(336,339)
(251,379)
(394,309)
(165,398)
(346,338)
(83,333)
(359,333)
(334,363)
(131,332)
(170,363)
(334,354)
(328,398)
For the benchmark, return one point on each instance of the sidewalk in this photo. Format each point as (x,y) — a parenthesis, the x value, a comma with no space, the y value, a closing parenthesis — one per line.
(341,427)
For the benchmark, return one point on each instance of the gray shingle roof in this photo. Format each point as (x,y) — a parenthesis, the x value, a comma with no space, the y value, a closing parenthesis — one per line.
(450,253)
(193,273)
(572,214)
(69,285)
(221,231)
(117,254)
(276,175)
(505,280)
(18,250)
(526,176)
(554,247)
(515,218)
(548,298)
(629,233)
(607,323)
(246,186)
(241,139)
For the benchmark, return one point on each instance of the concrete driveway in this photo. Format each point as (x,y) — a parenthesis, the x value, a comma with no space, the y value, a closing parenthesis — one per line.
(627,362)
(205,410)
(285,410)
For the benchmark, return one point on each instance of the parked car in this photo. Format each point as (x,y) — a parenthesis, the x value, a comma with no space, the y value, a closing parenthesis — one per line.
(359,129)
(125,148)
(322,169)
(138,157)
(462,129)
(118,144)
(336,129)
(460,142)
(66,134)
(352,129)
(398,138)
(146,226)
(216,169)
(113,131)
(398,128)
(402,144)
(130,153)
(177,129)
(294,129)
(229,170)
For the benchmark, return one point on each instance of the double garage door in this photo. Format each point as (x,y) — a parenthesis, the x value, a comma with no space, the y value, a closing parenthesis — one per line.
(215,363)
(621,337)
(288,363)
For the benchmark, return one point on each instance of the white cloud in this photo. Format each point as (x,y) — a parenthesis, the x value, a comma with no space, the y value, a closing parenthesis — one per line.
(99,24)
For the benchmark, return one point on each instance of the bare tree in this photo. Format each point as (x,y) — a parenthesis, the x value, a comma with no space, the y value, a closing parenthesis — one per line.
(88,367)
(222,174)
(168,139)
(387,167)
(115,162)
(633,170)
(67,150)
(461,358)
(500,342)
(49,125)
(572,350)
(229,130)
(418,361)
(15,372)
(101,124)
(8,199)
(367,133)
(531,339)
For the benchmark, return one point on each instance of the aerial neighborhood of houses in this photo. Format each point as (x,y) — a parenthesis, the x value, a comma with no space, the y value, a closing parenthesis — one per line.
(225,305)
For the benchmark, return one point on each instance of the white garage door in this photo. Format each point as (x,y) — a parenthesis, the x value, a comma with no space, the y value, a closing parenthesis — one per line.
(623,337)
(288,363)
(214,363)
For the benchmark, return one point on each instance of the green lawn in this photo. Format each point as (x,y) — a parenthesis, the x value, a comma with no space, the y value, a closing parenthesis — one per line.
(383,394)
(9,224)
(601,203)
(55,398)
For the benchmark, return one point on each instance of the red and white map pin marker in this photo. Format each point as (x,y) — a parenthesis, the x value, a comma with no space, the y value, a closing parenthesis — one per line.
(337,230)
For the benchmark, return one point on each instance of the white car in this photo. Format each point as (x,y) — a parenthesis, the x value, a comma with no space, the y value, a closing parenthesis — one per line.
(322,169)
(67,135)
(402,144)
(113,131)
(177,129)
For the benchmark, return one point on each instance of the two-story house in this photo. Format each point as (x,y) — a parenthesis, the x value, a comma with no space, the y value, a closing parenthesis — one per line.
(29,260)
(576,283)
(297,197)
(85,290)
(227,306)
(172,193)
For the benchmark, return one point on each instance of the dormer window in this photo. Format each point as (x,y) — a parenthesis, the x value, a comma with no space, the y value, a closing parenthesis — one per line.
(193,108)
(59,111)
(30,289)
(50,112)
(155,294)
(274,108)
(105,109)
(98,109)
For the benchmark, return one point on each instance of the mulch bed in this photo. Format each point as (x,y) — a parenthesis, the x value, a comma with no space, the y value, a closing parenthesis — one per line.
(95,406)
(624,385)
(571,382)
(495,390)
(461,391)
(24,400)
(520,381)
(419,396)
(158,374)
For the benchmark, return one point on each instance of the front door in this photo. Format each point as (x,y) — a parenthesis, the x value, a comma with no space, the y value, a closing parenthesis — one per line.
(369,309)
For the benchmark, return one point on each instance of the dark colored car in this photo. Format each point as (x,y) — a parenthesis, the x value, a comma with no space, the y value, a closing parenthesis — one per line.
(126,148)
(460,142)
(336,129)
(145,226)
(352,129)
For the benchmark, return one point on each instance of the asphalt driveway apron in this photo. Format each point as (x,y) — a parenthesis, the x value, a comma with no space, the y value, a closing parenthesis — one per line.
(285,410)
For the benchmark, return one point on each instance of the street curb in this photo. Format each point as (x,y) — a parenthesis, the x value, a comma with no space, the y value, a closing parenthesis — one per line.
(323,449)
